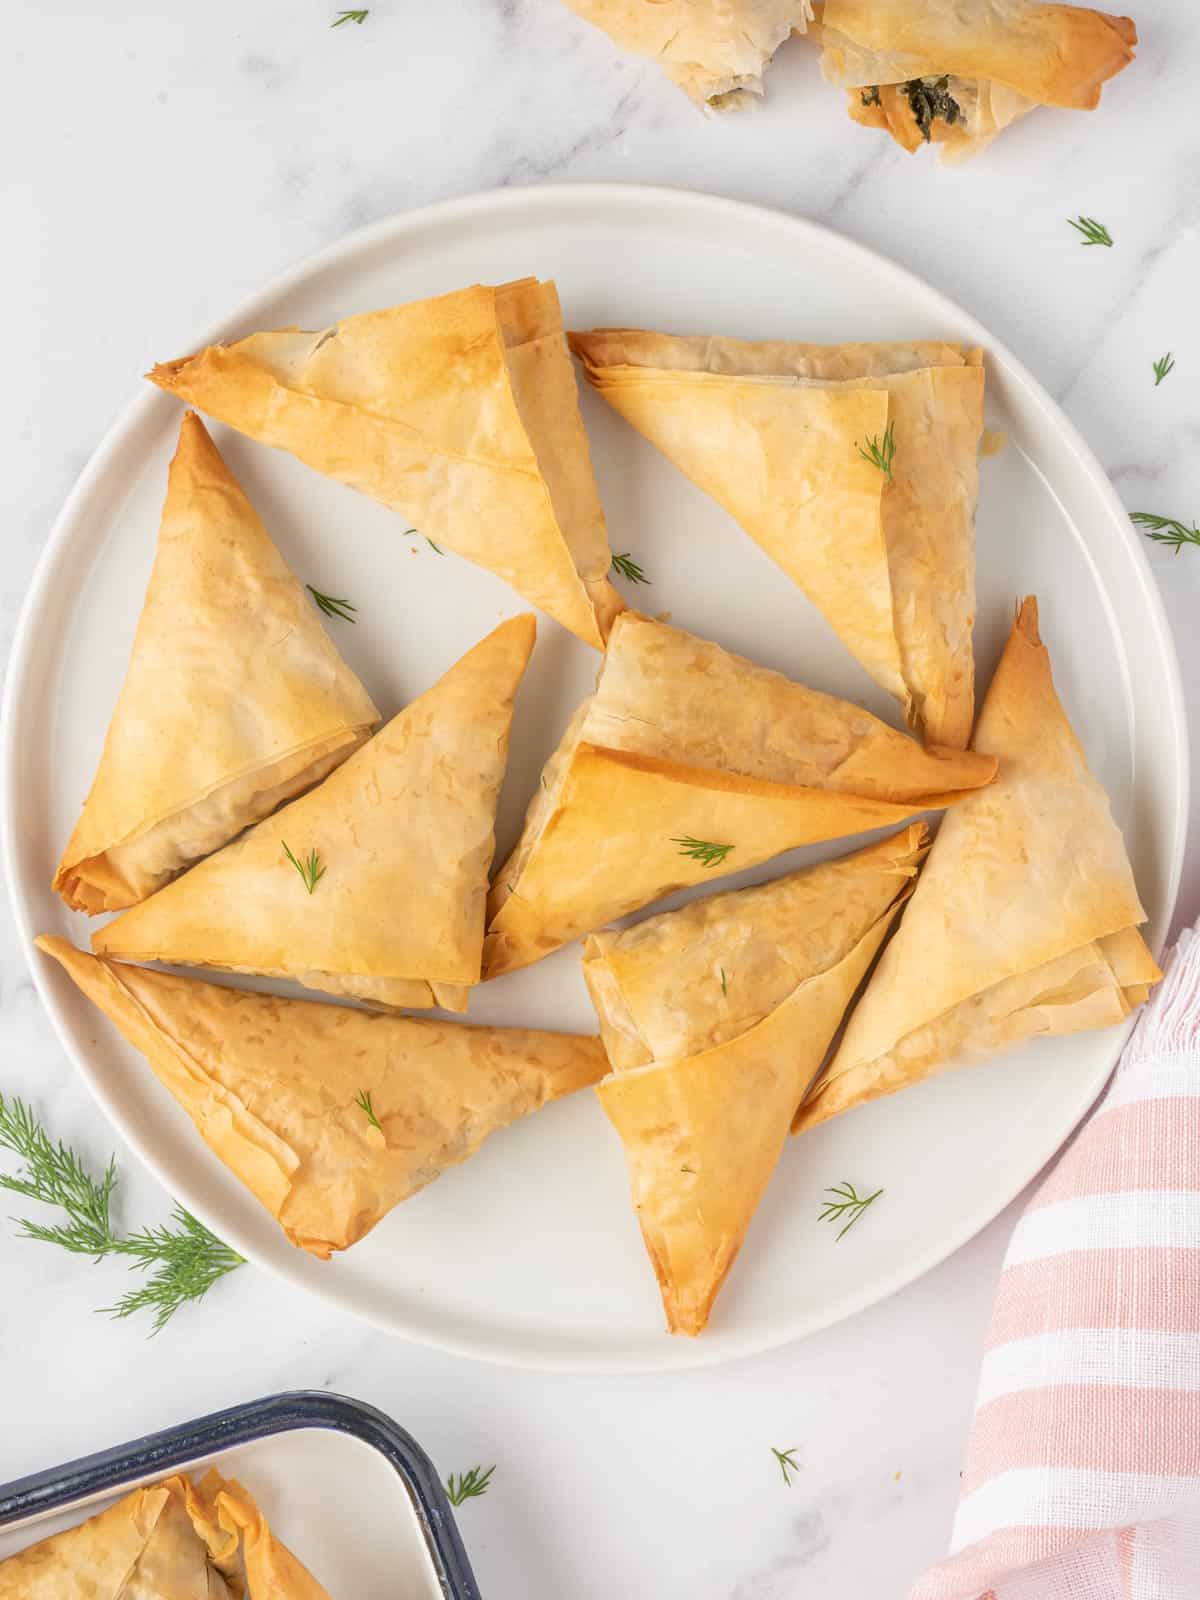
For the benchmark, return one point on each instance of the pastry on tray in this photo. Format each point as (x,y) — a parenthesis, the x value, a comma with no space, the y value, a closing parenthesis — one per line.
(716,1018)
(328,1114)
(235,698)
(459,412)
(172,1540)
(1025,920)
(854,466)
(957,72)
(689,761)
(716,53)
(372,885)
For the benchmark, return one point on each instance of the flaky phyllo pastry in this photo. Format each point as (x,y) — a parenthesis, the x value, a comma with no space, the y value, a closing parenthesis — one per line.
(1024,922)
(716,1018)
(329,1115)
(715,52)
(234,699)
(174,1540)
(689,761)
(957,72)
(793,441)
(400,840)
(459,412)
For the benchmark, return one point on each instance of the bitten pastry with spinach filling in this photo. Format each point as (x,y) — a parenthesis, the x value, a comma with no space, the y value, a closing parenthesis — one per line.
(715,53)
(957,72)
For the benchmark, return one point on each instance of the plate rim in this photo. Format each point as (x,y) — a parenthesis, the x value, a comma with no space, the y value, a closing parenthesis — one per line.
(498,1348)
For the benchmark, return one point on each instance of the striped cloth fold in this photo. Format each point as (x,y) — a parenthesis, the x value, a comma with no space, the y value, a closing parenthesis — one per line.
(1082,1479)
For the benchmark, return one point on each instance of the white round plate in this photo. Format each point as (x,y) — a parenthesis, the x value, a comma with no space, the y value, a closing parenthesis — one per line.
(530,1253)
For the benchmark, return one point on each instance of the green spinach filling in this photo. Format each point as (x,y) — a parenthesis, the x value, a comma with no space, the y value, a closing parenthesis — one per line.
(930,98)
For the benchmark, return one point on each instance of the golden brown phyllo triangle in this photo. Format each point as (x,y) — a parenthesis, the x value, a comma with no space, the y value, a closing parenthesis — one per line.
(400,839)
(716,1018)
(853,466)
(234,700)
(459,412)
(329,1115)
(689,762)
(1025,920)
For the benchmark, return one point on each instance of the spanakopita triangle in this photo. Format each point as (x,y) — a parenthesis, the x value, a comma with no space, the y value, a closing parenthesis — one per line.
(172,1540)
(689,762)
(716,1018)
(853,466)
(1024,922)
(957,72)
(107,1557)
(374,884)
(460,413)
(234,700)
(328,1114)
(717,54)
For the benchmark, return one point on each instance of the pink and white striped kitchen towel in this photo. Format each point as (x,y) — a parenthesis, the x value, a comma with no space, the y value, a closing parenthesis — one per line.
(1082,1479)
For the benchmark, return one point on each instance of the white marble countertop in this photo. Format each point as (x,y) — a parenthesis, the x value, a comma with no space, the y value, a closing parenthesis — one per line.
(161,163)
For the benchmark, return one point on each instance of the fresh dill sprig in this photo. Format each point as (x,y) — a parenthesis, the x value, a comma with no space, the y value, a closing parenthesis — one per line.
(870,97)
(311,870)
(627,567)
(417,534)
(331,605)
(1093,232)
(470,1484)
(363,1101)
(849,1203)
(350,16)
(54,1175)
(1162,366)
(187,1259)
(1165,530)
(710,855)
(880,452)
(724,989)
(787,1462)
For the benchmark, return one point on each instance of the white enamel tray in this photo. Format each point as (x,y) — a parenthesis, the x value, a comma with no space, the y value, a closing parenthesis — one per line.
(347,1490)
(530,1253)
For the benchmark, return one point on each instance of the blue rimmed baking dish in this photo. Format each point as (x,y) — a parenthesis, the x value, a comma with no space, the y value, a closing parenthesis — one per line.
(348,1489)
